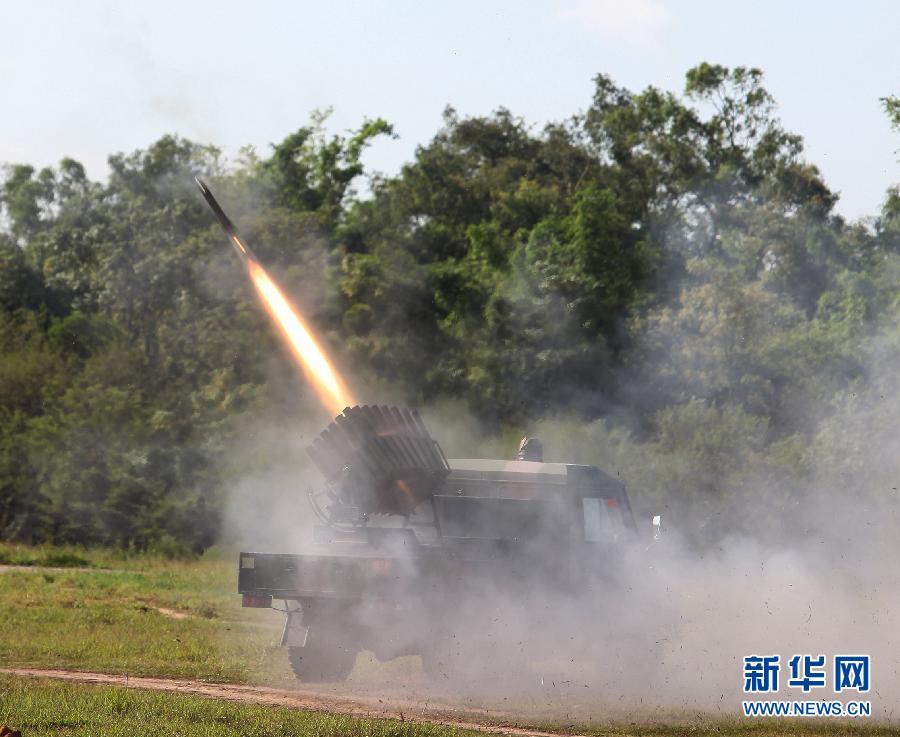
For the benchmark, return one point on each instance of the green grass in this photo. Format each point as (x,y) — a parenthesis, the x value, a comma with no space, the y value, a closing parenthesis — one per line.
(22,555)
(39,708)
(101,613)
(42,707)
(104,615)
(108,619)
(74,556)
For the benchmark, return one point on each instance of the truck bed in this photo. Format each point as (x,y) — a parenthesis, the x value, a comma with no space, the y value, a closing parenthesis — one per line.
(365,574)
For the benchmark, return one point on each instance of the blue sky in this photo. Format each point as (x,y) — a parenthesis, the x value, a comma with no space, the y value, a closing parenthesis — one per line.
(91,78)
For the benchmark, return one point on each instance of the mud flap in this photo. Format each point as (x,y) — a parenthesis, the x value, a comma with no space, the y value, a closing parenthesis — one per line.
(294,633)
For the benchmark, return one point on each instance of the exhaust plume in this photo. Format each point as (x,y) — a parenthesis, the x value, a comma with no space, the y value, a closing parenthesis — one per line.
(320,372)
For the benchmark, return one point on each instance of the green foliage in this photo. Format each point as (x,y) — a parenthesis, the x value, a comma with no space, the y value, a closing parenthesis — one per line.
(892,108)
(669,267)
(312,173)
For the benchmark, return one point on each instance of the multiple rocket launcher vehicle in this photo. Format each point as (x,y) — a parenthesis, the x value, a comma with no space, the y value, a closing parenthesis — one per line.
(405,536)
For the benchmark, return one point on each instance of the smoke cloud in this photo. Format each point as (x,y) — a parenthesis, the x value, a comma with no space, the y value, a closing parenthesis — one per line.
(781,560)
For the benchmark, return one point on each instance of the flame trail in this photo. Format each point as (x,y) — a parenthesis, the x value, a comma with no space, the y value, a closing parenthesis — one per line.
(318,369)
(306,349)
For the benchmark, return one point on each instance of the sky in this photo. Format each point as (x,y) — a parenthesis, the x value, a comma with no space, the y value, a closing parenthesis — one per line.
(93,78)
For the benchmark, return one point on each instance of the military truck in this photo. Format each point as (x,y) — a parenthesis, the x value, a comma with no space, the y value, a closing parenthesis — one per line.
(407,539)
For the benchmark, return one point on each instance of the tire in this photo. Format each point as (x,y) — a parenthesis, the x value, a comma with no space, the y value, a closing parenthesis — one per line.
(326,657)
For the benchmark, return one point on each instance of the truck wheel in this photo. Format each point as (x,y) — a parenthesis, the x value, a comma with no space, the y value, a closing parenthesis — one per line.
(327,656)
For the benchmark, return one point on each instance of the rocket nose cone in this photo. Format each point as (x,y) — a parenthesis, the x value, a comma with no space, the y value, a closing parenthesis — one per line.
(201,184)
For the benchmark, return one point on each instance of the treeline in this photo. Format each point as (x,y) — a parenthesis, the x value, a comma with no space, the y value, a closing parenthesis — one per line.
(666,273)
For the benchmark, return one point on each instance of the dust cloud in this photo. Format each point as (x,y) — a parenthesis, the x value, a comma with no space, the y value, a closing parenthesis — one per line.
(785,567)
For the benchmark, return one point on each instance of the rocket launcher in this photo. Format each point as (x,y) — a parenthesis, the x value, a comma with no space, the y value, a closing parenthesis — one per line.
(381,459)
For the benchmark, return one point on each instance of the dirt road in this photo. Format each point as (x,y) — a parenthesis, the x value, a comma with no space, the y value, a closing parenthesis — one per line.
(409,706)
